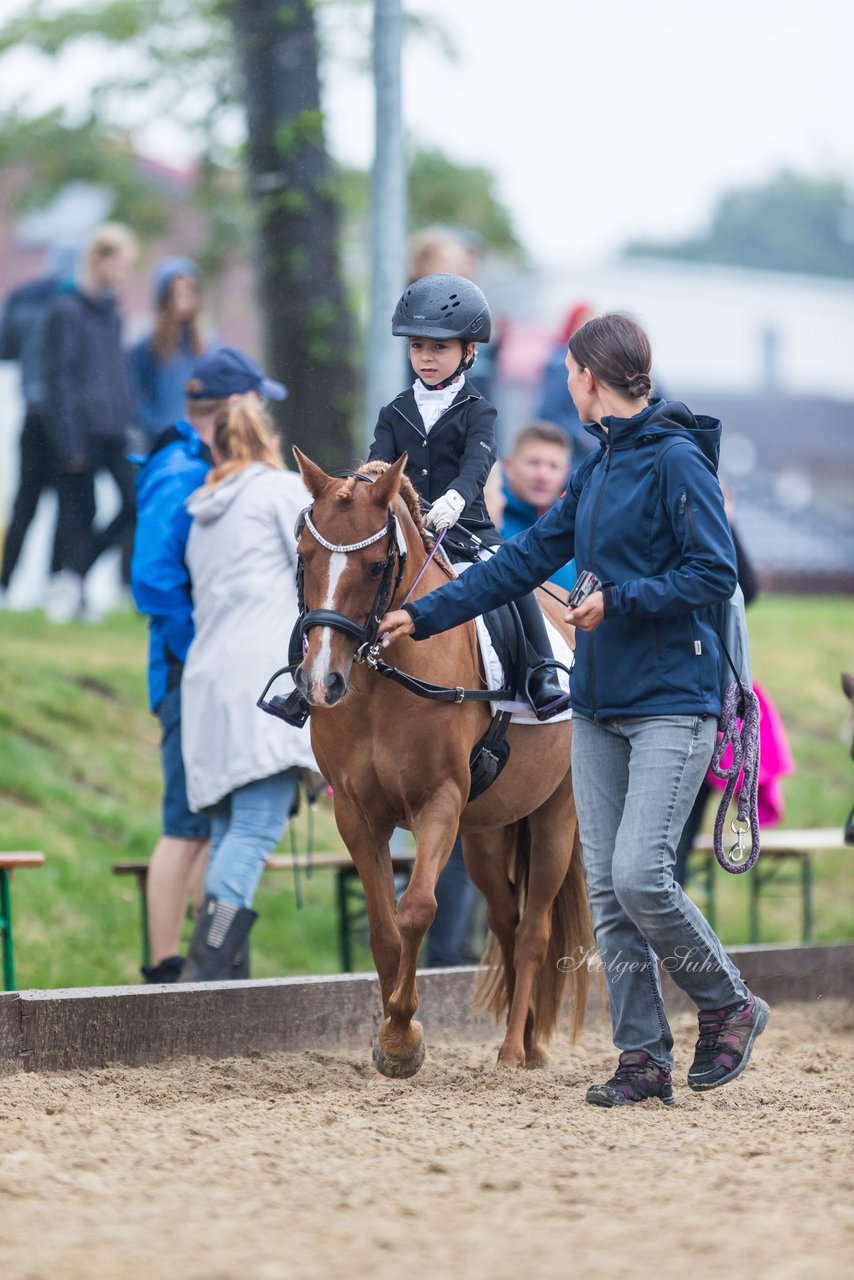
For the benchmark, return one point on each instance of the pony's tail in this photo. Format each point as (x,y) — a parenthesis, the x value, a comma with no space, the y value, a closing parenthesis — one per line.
(565,974)
(565,971)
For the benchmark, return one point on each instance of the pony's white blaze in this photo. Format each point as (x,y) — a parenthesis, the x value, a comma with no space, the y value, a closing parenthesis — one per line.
(320,667)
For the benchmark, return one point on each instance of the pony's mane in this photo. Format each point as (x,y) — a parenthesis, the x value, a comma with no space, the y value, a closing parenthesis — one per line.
(410,499)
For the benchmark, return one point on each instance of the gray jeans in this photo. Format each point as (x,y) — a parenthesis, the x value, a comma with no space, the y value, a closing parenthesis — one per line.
(635,781)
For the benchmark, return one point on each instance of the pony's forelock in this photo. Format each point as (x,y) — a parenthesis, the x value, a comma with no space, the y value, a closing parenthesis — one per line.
(408,496)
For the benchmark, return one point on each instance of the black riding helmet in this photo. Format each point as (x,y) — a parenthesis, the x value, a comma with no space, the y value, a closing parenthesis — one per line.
(443,306)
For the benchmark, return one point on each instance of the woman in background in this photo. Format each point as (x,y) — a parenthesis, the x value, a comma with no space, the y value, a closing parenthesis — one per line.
(161,364)
(242,767)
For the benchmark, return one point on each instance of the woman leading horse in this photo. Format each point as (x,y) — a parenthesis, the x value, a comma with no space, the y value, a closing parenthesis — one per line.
(396,761)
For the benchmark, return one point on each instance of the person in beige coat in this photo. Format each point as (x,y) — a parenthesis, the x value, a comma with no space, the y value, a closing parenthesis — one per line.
(242,767)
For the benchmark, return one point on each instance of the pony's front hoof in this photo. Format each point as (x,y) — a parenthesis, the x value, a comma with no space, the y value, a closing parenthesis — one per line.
(509,1059)
(399,1066)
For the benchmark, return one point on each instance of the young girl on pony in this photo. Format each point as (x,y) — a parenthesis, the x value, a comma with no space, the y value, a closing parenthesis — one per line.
(447,429)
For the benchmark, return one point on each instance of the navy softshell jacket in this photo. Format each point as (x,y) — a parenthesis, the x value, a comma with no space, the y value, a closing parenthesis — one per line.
(645,512)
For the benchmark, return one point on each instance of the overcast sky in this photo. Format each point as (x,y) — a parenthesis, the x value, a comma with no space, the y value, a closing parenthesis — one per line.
(607,119)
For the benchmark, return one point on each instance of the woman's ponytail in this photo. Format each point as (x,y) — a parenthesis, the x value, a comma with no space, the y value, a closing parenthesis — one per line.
(243,432)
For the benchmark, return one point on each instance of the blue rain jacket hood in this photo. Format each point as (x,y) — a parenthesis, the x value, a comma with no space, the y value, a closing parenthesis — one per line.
(645,513)
(159,577)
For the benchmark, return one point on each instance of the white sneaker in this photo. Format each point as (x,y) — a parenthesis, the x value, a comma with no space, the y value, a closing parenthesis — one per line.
(90,614)
(64,597)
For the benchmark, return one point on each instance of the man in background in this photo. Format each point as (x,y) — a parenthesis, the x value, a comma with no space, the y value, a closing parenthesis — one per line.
(21,339)
(88,412)
(536,472)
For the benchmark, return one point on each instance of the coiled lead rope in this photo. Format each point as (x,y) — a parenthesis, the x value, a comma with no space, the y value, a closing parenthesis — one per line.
(742,734)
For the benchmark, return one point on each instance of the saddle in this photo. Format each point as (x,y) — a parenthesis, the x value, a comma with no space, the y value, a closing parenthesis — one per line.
(491,752)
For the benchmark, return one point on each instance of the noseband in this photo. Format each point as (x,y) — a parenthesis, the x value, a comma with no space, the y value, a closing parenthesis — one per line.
(365,634)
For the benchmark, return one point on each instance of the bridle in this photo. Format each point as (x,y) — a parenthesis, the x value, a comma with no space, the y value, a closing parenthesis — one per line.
(364,633)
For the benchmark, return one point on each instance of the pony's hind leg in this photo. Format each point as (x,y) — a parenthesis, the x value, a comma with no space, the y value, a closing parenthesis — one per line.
(487,855)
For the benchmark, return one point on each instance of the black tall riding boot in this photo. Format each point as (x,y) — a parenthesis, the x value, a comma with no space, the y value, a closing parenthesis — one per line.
(240,963)
(220,936)
(545,692)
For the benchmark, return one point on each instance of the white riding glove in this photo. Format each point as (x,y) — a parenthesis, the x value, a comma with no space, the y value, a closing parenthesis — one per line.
(445,511)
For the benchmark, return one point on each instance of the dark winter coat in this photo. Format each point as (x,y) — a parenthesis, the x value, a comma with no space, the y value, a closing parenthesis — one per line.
(21,334)
(645,512)
(458,452)
(87,389)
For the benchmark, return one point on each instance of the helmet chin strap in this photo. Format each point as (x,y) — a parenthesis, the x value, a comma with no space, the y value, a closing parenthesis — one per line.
(462,367)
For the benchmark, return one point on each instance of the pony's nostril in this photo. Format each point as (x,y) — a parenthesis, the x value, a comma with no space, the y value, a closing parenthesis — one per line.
(335,688)
(301,680)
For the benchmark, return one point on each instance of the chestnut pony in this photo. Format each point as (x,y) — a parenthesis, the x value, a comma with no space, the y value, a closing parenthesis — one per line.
(395,760)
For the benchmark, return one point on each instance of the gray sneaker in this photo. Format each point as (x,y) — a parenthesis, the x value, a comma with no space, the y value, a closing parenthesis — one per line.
(726,1042)
(637,1078)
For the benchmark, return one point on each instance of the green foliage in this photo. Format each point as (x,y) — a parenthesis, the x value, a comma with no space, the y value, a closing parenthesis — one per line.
(307,127)
(792,223)
(445,192)
(175,57)
(58,153)
(174,60)
(442,191)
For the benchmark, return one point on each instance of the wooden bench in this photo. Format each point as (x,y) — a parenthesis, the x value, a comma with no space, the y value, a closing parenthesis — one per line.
(349,897)
(10,862)
(779,847)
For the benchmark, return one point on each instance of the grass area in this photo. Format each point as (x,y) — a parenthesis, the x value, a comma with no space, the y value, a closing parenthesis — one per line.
(80,780)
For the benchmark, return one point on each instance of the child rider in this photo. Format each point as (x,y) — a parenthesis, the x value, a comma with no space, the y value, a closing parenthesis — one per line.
(447,429)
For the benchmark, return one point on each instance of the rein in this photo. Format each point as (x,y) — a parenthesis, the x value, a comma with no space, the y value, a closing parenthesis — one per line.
(366,634)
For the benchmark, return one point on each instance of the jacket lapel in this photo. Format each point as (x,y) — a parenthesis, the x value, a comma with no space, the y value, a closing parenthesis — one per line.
(405,405)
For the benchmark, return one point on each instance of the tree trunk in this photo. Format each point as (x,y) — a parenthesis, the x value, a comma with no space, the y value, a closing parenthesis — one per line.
(308,329)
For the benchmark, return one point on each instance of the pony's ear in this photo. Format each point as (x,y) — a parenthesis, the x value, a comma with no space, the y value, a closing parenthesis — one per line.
(314,477)
(848,685)
(385,487)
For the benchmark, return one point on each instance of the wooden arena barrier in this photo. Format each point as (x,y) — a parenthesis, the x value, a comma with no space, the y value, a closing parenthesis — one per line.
(93,1027)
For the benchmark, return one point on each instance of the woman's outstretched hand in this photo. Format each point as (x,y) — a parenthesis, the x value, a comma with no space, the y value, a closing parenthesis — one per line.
(394,625)
(589,614)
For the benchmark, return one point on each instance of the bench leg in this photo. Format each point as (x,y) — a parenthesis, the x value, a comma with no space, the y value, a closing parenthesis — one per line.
(755,885)
(344,949)
(6,930)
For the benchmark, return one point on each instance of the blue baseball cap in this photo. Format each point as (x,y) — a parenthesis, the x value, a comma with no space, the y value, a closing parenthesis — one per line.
(228,372)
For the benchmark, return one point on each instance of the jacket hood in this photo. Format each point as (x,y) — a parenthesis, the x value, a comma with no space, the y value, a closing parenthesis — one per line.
(662,418)
(210,502)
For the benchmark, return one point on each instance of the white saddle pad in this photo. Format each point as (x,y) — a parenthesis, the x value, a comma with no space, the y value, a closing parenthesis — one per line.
(522,712)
